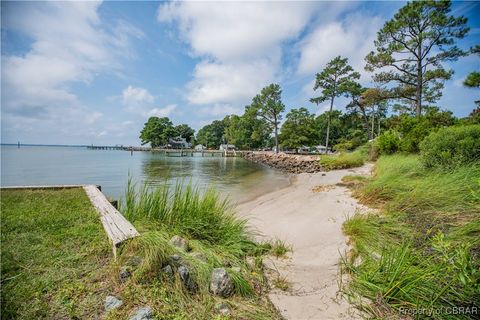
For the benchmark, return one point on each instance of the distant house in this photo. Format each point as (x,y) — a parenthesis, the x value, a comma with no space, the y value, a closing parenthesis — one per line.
(321,149)
(227,147)
(179,143)
(200,147)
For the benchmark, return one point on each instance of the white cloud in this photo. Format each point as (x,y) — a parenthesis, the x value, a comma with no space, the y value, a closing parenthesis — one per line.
(219,110)
(160,112)
(352,37)
(240,44)
(69,45)
(136,99)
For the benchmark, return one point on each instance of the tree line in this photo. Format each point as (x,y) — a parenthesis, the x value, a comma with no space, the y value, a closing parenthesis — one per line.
(408,78)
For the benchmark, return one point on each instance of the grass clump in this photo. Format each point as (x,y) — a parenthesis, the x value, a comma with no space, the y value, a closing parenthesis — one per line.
(216,238)
(54,253)
(421,250)
(343,160)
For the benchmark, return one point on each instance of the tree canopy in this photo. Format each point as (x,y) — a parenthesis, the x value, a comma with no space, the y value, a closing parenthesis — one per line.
(411,47)
(299,129)
(156,131)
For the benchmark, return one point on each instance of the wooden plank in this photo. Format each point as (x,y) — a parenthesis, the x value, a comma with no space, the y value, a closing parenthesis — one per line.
(117,227)
(53,187)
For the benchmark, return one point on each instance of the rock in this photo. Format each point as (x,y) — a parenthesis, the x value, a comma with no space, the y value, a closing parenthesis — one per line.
(199,256)
(251,263)
(286,162)
(134,261)
(124,274)
(237,269)
(184,274)
(223,309)
(179,242)
(144,313)
(167,270)
(175,258)
(220,283)
(112,302)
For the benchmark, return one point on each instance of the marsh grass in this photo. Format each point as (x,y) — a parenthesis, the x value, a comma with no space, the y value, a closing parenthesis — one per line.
(344,160)
(422,249)
(214,233)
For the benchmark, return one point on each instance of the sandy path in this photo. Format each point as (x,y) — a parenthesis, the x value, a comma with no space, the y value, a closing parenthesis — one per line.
(311,222)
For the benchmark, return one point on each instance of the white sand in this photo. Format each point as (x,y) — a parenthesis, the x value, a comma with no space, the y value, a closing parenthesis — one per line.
(310,222)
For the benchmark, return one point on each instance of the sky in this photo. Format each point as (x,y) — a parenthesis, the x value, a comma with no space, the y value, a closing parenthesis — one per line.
(94,72)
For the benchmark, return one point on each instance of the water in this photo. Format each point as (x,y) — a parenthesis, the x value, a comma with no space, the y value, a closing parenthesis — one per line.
(241,180)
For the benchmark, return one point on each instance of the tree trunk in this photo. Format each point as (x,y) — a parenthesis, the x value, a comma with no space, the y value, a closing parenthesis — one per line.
(373,125)
(276,134)
(328,125)
(418,102)
(367,124)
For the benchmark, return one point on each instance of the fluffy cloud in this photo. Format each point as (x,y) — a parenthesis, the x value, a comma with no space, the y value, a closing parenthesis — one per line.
(352,37)
(69,45)
(240,44)
(141,102)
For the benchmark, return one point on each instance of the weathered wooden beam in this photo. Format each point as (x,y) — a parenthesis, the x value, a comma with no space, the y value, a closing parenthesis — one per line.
(117,227)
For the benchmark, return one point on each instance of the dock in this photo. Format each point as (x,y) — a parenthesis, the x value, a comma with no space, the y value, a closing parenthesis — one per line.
(173,152)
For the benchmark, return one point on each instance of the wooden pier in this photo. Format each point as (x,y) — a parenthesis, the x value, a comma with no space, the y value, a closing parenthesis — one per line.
(174,152)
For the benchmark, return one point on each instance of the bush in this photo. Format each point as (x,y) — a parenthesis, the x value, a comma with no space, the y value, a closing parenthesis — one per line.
(344,160)
(450,147)
(388,142)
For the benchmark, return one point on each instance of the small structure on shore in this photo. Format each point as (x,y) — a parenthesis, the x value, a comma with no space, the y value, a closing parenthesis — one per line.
(226,147)
(179,143)
(200,147)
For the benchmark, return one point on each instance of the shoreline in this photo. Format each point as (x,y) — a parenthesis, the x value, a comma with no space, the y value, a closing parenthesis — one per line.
(311,223)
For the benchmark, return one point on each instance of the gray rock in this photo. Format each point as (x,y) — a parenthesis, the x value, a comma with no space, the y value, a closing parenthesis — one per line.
(223,309)
(251,263)
(220,283)
(134,261)
(167,270)
(179,242)
(112,302)
(199,256)
(124,274)
(144,313)
(184,274)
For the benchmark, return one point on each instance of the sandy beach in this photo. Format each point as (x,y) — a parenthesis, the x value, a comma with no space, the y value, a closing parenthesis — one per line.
(309,219)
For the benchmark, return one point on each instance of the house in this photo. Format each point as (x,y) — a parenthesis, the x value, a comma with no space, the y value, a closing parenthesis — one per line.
(200,147)
(227,147)
(179,143)
(322,149)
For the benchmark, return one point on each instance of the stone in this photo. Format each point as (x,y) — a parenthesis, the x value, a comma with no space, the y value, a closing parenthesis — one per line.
(134,261)
(180,243)
(167,270)
(251,263)
(199,256)
(112,302)
(144,313)
(223,309)
(124,274)
(237,269)
(220,283)
(175,257)
(187,281)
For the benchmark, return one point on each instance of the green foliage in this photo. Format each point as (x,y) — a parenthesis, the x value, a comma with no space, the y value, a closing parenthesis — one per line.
(388,142)
(213,232)
(344,160)
(472,80)
(453,146)
(247,131)
(156,131)
(212,135)
(412,47)
(184,131)
(55,255)
(419,250)
(299,129)
(268,106)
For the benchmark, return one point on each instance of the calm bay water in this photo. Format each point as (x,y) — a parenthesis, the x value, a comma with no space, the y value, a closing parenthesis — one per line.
(38,165)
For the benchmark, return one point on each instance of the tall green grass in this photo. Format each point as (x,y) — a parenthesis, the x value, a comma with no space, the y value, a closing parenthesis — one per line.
(421,250)
(343,160)
(222,239)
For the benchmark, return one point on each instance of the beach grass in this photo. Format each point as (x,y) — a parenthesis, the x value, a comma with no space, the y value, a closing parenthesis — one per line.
(54,250)
(344,160)
(216,239)
(420,250)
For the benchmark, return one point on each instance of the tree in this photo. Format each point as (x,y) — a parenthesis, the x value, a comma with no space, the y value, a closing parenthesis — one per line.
(473,78)
(334,81)
(156,131)
(412,46)
(268,106)
(299,129)
(212,135)
(186,132)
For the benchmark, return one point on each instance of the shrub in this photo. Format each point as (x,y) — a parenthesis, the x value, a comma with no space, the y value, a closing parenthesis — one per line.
(388,142)
(450,147)
(344,160)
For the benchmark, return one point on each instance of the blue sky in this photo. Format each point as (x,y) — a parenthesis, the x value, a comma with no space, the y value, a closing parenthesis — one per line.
(93,72)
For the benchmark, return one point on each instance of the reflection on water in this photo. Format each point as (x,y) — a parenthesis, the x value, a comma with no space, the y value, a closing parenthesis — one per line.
(240,179)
